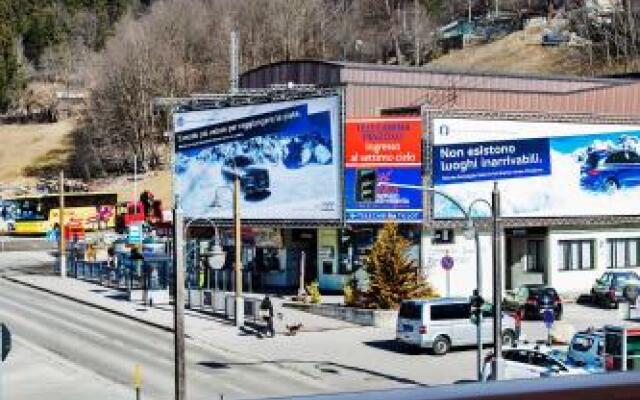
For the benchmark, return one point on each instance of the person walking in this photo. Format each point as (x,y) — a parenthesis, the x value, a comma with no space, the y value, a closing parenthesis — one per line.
(266,312)
(518,317)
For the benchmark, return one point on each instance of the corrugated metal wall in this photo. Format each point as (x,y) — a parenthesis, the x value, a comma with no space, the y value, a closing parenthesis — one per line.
(370,88)
(368,100)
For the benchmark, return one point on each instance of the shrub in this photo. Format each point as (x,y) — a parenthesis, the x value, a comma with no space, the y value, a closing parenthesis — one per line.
(313,289)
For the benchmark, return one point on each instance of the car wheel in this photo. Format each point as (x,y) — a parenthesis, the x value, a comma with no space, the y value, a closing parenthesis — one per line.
(508,338)
(441,346)
(611,186)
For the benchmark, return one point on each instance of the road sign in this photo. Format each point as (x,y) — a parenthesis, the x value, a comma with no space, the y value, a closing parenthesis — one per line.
(6,342)
(548,318)
(446,263)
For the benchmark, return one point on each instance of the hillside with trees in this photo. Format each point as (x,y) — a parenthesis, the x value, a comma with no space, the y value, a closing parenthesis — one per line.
(120,54)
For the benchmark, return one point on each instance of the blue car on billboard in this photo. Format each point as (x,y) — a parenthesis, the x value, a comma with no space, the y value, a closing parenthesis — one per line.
(610,170)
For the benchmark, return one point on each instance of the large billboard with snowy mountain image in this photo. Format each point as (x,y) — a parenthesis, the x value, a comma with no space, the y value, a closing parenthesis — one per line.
(543,169)
(285,155)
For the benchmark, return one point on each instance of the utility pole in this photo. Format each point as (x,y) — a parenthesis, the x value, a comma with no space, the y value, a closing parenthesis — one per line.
(234,64)
(178,309)
(416,9)
(239,303)
(135,183)
(63,250)
(497,286)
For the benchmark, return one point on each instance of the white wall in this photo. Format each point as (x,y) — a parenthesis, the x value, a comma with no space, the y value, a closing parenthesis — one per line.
(579,282)
(463,274)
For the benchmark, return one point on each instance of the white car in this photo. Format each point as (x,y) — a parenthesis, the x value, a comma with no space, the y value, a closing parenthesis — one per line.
(527,363)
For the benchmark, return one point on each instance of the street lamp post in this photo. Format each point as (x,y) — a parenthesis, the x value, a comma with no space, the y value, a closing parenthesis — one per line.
(467,213)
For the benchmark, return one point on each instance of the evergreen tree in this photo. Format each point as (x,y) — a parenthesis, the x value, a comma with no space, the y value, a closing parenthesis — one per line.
(393,276)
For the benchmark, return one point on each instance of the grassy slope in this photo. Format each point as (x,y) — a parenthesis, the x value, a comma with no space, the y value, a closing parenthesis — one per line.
(514,53)
(32,145)
(29,147)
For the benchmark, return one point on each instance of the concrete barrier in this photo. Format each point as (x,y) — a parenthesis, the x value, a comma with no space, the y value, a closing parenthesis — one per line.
(360,316)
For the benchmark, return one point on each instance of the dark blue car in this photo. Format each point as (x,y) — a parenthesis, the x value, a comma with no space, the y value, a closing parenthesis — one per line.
(610,170)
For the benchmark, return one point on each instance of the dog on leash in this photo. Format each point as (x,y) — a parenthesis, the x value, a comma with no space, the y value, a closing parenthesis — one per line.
(293,329)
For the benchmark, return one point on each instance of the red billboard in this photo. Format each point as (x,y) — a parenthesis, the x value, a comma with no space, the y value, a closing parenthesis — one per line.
(383,170)
(383,142)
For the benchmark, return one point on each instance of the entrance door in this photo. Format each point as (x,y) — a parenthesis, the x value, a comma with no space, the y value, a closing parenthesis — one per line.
(306,240)
(526,257)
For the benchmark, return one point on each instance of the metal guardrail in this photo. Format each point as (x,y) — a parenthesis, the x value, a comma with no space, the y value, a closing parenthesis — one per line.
(618,386)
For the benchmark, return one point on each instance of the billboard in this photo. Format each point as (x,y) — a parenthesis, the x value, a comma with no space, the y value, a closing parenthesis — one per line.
(543,169)
(383,170)
(284,154)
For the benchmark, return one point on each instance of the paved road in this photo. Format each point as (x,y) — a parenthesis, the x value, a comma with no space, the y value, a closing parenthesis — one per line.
(13,243)
(111,346)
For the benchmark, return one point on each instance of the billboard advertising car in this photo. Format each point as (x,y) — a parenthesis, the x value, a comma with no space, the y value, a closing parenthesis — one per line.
(284,154)
(383,170)
(543,169)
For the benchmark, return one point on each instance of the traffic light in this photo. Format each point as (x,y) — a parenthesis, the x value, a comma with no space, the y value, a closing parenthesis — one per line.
(476,306)
(476,301)
(366,185)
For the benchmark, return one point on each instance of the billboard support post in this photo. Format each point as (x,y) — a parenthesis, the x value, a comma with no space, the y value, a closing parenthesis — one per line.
(178,309)
(497,286)
(239,303)
(63,253)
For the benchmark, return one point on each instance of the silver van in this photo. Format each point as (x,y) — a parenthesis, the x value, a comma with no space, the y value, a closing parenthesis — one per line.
(439,324)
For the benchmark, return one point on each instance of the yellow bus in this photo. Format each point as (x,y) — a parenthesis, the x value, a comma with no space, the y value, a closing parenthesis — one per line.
(36,215)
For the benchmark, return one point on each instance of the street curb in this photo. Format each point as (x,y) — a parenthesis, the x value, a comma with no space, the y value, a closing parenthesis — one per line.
(87,303)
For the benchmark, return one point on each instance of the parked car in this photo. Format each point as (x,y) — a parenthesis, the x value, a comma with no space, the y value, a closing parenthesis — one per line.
(531,362)
(440,324)
(533,300)
(586,350)
(610,170)
(254,180)
(613,287)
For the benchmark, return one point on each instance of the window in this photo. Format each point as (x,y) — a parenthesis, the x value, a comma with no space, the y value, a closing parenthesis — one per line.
(450,311)
(535,256)
(619,157)
(577,255)
(410,310)
(623,253)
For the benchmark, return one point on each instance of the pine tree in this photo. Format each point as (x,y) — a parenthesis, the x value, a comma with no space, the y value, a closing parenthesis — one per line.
(393,276)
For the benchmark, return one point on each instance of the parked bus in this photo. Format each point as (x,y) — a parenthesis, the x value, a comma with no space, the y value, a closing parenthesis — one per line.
(36,215)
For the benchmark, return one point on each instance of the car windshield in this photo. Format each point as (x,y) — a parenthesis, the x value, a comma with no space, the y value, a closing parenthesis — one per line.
(239,162)
(629,276)
(542,291)
(582,343)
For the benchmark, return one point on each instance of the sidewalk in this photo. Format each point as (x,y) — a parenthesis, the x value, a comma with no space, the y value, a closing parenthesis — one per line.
(352,356)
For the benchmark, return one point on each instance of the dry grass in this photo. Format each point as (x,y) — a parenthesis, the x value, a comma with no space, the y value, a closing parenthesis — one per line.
(515,53)
(29,146)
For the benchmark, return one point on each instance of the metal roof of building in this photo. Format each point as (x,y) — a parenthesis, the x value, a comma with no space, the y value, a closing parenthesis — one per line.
(369,88)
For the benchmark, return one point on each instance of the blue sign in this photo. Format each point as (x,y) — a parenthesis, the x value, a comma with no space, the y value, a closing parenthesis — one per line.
(446,263)
(497,160)
(370,194)
(548,318)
